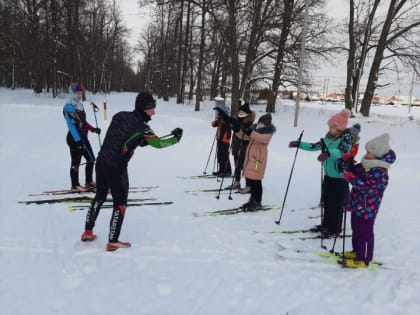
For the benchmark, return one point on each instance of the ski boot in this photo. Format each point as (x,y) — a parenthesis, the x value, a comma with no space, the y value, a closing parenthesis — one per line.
(350,255)
(113,246)
(354,263)
(251,205)
(88,236)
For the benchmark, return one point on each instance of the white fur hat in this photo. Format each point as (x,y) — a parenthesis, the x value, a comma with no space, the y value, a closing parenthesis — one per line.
(379,146)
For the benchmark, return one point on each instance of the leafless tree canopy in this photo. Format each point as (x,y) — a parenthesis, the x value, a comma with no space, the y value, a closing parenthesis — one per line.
(230,46)
(45,44)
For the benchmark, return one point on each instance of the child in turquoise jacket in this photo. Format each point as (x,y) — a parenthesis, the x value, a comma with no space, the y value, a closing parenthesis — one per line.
(334,188)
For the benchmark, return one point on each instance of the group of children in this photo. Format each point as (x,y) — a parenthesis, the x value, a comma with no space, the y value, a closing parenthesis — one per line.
(249,146)
(368,179)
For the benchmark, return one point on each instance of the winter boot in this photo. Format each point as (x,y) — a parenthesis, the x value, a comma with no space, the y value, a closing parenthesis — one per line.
(236,185)
(112,246)
(88,236)
(251,205)
(354,263)
(350,255)
(245,190)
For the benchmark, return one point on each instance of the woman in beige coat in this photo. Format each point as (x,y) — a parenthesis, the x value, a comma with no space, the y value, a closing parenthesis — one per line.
(256,159)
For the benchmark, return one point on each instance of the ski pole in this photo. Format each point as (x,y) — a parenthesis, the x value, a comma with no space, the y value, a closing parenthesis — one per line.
(211,150)
(290,177)
(95,109)
(80,164)
(224,169)
(344,235)
(336,235)
(237,165)
(216,152)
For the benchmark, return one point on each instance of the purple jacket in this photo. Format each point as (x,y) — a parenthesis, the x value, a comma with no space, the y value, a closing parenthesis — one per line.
(368,187)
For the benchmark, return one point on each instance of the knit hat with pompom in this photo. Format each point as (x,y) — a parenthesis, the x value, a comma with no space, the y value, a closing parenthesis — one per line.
(340,120)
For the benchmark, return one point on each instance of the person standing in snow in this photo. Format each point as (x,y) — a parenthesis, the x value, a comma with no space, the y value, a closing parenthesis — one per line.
(369,180)
(127,131)
(77,138)
(256,158)
(223,136)
(334,188)
(240,141)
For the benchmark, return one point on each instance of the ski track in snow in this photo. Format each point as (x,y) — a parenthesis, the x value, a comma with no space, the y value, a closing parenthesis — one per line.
(181,264)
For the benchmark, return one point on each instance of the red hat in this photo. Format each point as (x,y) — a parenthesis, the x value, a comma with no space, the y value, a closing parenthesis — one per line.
(340,120)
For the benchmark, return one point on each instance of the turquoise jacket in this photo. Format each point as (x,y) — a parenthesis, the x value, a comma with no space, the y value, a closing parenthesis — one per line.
(334,165)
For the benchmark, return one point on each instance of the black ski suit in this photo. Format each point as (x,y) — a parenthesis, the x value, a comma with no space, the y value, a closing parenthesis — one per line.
(78,142)
(127,131)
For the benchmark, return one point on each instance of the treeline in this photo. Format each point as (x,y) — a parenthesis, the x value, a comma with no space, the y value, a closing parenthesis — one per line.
(46,44)
(202,47)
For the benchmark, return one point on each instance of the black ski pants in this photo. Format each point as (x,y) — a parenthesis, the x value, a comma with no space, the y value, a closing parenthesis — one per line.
(115,180)
(256,189)
(76,157)
(223,157)
(335,194)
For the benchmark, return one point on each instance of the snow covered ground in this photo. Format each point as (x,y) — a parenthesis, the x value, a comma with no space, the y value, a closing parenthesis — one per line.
(181,264)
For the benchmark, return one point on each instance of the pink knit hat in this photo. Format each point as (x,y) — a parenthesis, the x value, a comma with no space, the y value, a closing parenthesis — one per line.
(340,120)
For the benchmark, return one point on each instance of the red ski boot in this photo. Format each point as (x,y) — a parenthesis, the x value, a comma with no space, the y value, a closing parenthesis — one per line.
(88,236)
(112,246)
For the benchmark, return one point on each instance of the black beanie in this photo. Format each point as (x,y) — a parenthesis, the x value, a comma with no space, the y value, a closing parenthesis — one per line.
(265,119)
(245,108)
(144,101)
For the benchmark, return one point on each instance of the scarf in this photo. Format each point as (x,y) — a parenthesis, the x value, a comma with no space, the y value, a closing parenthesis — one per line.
(375,163)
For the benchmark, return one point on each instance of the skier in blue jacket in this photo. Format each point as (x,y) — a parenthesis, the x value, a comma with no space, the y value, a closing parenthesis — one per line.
(77,139)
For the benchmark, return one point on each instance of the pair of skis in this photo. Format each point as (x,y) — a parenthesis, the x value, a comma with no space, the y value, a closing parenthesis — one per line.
(332,258)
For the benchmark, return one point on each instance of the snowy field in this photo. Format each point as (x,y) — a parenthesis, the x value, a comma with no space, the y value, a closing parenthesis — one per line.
(181,264)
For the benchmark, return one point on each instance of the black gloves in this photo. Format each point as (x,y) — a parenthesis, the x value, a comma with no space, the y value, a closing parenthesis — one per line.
(325,154)
(293,144)
(236,126)
(97,130)
(177,133)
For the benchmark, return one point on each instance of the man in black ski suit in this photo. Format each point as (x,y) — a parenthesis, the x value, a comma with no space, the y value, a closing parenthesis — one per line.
(127,131)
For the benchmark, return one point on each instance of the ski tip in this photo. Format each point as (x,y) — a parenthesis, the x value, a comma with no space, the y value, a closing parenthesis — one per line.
(70,208)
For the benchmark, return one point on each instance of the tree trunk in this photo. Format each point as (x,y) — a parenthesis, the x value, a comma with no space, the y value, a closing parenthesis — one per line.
(180,52)
(376,64)
(201,58)
(234,59)
(185,54)
(350,60)
(278,67)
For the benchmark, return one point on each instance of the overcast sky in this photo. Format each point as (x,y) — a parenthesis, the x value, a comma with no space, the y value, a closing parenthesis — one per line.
(137,18)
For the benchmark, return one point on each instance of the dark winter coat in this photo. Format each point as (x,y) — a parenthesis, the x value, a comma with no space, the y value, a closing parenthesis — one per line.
(257,152)
(368,186)
(126,132)
(240,137)
(224,131)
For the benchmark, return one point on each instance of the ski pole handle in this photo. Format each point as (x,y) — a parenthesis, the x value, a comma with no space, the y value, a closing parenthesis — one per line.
(95,107)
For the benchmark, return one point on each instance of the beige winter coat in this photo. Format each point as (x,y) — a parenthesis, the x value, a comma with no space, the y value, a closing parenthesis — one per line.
(257,153)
